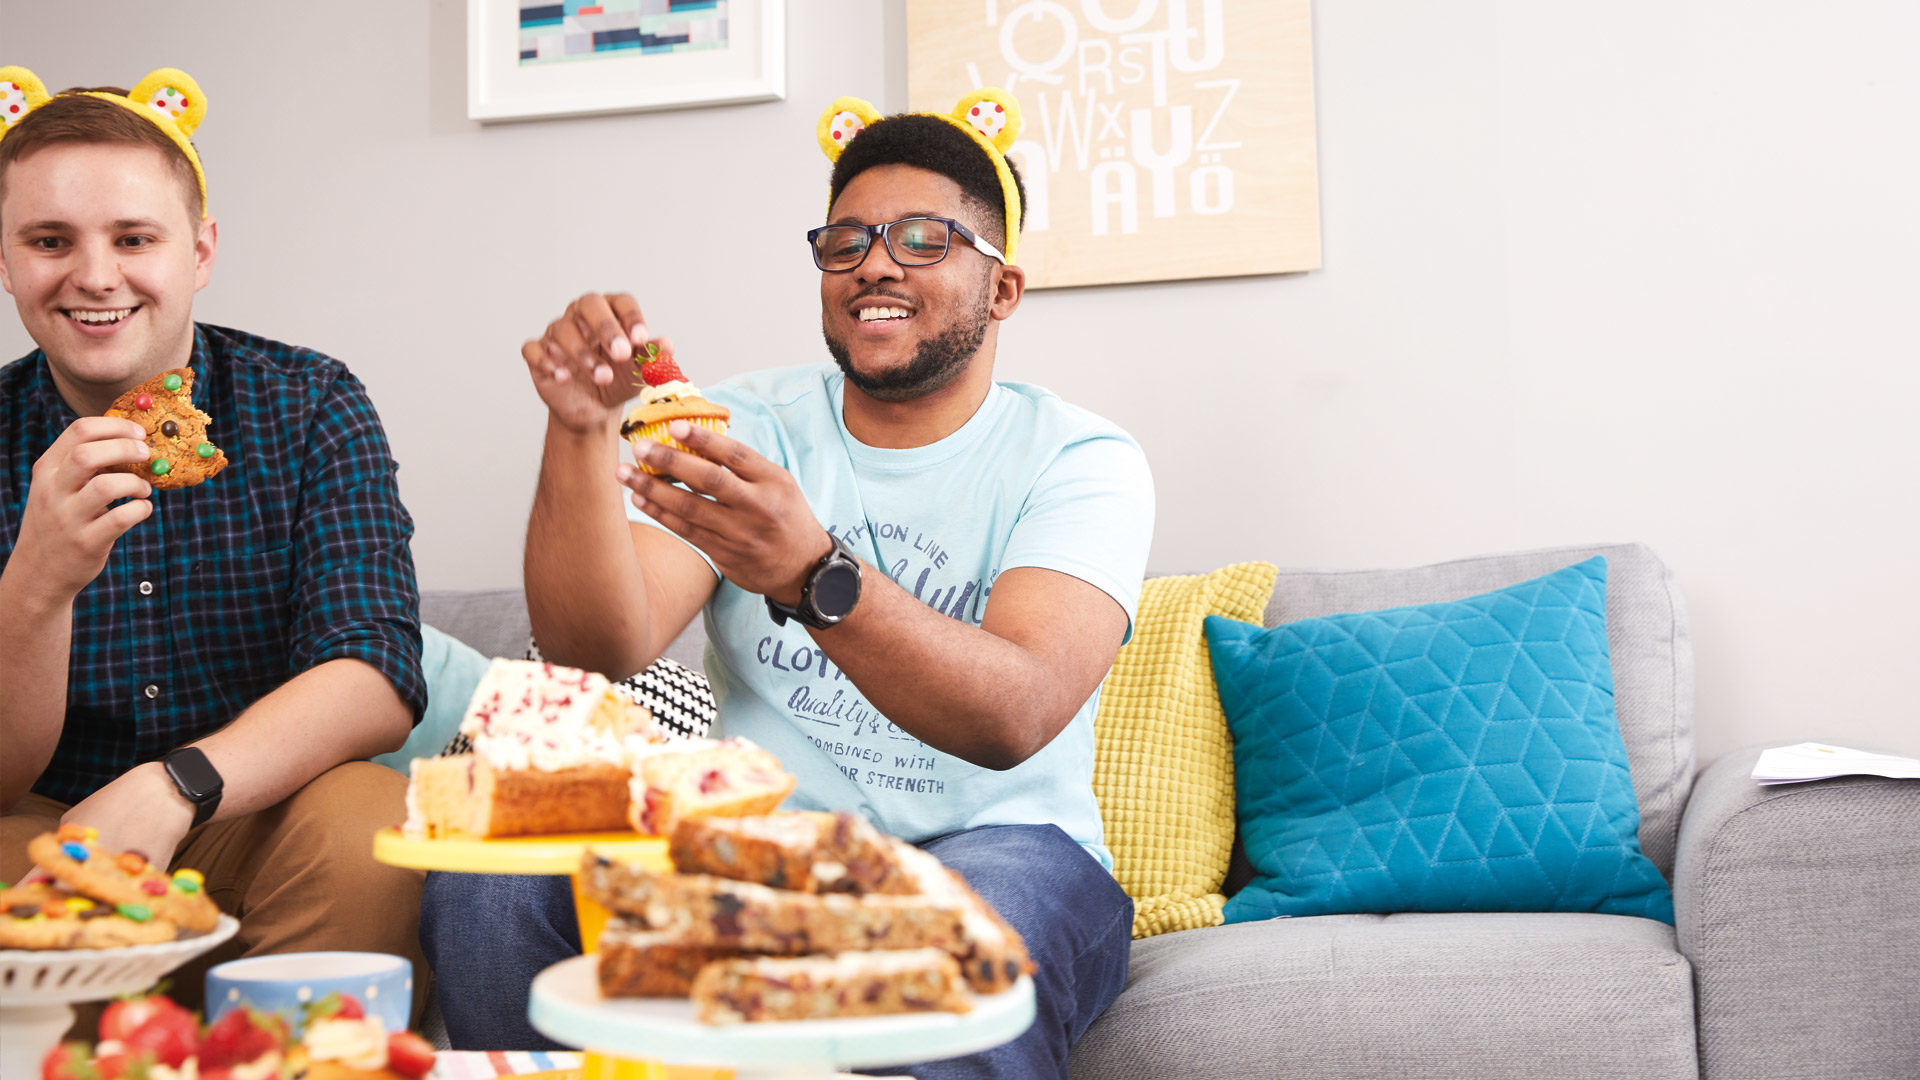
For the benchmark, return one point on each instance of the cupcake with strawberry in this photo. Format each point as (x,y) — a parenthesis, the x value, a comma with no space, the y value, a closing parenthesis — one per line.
(667,396)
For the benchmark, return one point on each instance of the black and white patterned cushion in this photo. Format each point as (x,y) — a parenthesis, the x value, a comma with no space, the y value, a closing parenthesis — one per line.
(679,697)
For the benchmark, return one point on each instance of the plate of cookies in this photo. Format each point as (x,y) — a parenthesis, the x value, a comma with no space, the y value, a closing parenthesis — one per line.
(106,923)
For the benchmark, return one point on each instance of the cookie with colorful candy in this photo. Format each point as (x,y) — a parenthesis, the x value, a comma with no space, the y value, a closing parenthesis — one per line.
(46,915)
(176,431)
(136,888)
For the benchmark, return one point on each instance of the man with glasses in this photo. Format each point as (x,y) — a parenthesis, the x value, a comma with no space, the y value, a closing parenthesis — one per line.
(914,579)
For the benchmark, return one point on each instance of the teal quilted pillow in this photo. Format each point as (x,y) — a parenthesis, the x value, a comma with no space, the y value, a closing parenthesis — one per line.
(1460,756)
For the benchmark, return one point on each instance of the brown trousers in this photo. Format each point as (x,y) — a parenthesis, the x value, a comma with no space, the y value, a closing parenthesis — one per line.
(299,876)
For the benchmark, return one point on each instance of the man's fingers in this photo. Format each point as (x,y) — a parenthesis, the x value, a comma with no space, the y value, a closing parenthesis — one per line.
(568,346)
(95,428)
(697,473)
(91,457)
(627,310)
(679,524)
(109,487)
(534,352)
(661,487)
(109,526)
(723,451)
(594,316)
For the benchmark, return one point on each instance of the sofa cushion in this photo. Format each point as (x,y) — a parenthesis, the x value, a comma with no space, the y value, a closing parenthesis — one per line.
(1441,997)
(1648,645)
(1455,756)
(1163,761)
(492,621)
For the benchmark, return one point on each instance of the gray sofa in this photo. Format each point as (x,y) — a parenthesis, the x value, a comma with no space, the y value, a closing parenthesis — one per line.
(1796,951)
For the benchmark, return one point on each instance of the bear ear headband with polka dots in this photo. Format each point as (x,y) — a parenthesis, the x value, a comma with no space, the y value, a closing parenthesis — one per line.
(990,115)
(167,97)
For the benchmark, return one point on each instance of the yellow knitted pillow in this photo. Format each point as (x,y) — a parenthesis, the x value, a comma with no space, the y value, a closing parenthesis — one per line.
(1163,760)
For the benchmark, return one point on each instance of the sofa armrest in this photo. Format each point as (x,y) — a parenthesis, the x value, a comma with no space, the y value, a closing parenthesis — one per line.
(1799,907)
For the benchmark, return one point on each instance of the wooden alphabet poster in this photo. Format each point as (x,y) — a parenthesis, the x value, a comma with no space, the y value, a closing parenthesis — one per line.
(1162,139)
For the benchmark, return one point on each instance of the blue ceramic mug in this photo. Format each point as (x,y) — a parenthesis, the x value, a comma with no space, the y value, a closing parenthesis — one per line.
(286,983)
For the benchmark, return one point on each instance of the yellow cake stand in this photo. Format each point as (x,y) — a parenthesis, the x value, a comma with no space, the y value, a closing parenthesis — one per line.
(549,855)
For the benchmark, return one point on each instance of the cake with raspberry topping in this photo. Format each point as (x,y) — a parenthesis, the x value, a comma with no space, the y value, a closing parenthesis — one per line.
(550,752)
(667,396)
(703,778)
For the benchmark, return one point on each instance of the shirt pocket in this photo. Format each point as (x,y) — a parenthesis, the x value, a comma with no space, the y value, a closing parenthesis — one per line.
(233,611)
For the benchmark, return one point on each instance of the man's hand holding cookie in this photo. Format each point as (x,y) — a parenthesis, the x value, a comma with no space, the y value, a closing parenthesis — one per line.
(70,522)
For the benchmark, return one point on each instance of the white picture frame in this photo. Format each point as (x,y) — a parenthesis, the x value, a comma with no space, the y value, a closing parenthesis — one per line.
(500,87)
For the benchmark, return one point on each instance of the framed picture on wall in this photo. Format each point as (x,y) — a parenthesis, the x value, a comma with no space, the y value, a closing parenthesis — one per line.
(545,58)
(1161,139)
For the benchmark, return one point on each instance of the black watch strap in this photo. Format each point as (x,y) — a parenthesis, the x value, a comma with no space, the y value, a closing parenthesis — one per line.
(828,595)
(197,780)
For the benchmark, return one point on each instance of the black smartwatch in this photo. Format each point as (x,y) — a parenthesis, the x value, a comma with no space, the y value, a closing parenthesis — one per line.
(199,782)
(829,593)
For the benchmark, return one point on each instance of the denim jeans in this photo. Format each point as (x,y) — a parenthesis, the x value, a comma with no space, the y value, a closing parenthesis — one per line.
(488,935)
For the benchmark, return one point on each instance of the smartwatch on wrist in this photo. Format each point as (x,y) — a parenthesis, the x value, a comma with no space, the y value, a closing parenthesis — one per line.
(199,782)
(829,593)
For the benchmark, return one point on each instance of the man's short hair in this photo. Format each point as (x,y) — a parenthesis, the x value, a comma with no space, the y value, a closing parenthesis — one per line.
(930,143)
(73,116)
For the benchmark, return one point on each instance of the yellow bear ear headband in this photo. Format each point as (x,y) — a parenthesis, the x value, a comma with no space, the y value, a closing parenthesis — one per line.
(991,116)
(167,97)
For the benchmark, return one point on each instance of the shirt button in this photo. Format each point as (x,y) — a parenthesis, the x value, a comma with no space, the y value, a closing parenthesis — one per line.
(146,588)
(152,691)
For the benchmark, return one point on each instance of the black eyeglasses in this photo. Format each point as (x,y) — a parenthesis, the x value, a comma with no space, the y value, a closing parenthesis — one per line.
(912,241)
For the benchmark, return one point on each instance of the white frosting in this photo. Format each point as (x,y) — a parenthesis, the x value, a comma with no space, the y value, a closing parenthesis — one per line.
(842,965)
(415,827)
(942,887)
(678,388)
(639,750)
(264,1067)
(357,1044)
(528,714)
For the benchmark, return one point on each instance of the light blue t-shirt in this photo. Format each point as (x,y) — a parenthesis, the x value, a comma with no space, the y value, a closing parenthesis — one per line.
(1029,481)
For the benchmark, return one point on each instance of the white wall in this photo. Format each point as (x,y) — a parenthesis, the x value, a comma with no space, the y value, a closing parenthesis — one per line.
(1591,273)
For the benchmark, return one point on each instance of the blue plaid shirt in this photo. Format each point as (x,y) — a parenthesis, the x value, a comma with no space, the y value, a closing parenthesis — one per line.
(296,554)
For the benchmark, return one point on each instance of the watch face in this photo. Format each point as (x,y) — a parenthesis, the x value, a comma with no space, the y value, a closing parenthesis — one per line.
(193,773)
(835,590)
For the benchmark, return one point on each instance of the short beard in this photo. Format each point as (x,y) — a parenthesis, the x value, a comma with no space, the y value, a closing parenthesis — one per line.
(937,362)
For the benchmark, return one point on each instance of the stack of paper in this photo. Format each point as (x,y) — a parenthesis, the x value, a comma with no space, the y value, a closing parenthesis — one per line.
(1818,761)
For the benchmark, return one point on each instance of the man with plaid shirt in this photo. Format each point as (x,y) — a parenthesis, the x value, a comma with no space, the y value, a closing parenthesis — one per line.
(195,673)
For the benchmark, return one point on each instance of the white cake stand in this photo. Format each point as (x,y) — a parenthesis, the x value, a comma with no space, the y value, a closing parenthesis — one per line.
(567,1007)
(38,988)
